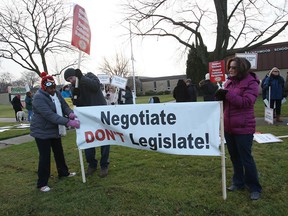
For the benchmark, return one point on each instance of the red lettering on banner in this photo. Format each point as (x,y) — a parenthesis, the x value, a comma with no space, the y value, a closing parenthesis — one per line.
(89,137)
(101,135)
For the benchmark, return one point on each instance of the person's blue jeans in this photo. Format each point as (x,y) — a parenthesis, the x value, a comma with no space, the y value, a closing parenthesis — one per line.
(245,171)
(91,159)
(30,113)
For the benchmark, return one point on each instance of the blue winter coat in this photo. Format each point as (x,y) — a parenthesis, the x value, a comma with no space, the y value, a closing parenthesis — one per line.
(277,87)
(45,120)
(239,105)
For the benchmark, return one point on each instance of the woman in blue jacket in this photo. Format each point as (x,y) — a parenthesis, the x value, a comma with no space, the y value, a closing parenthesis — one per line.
(47,127)
(275,82)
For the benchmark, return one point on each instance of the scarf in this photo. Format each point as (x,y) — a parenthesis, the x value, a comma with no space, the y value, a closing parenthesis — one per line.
(62,128)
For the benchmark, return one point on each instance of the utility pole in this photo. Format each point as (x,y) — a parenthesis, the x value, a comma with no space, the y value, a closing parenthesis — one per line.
(133,71)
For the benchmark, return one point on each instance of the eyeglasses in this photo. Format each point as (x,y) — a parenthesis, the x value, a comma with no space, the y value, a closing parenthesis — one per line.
(49,84)
(233,67)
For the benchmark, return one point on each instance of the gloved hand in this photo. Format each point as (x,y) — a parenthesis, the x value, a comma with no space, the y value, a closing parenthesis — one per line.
(76,91)
(74,123)
(78,73)
(220,94)
(72,116)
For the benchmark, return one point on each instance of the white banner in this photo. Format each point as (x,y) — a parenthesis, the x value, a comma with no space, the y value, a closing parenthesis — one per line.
(172,128)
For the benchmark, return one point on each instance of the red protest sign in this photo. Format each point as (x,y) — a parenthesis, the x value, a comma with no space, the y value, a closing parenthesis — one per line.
(217,71)
(81,34)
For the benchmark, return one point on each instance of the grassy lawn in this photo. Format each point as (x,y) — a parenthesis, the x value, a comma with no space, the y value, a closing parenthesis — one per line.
(141,183)
(6,111)
(144,182)
(14,132)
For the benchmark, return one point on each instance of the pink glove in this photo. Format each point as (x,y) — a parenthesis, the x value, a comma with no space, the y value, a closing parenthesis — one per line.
(74,123)
(72,116)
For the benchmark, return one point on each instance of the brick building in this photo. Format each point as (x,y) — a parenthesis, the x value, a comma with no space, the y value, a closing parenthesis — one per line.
(269,56)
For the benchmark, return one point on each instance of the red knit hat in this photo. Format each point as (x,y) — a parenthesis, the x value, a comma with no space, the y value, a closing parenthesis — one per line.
(47,80)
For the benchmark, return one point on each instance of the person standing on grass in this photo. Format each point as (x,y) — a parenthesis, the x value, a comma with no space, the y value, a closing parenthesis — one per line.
(128,96)
(28,104)
(17,105)
(89,93)
(47,127)
(275,82)
(192,90)
(239,96)
(208,88)
(180,92)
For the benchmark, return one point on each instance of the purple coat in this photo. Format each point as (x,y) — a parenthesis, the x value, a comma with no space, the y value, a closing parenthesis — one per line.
(239,105)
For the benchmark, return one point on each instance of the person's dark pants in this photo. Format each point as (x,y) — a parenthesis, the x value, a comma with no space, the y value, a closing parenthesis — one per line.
(44,148)
(91,160)
(278,104)
(245,171)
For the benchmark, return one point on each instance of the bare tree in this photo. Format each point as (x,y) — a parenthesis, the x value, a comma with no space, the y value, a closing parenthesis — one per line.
(6,77)
(232,26)
(5,81)
(30,78)
(115,66)
(31,30)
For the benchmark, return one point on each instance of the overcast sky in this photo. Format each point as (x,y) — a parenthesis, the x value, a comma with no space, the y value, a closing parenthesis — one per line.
(153,57)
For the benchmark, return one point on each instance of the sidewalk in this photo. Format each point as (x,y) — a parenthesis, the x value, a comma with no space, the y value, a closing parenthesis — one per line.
(260,121)
(7,120)
(16,140)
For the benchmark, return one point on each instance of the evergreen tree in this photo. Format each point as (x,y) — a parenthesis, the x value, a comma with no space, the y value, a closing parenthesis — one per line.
(195,68)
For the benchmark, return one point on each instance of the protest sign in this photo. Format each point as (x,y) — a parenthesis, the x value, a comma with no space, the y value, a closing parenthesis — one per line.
(81,34)
(217,71)
(119,82)
(104,78)
(251,57)
(266,138)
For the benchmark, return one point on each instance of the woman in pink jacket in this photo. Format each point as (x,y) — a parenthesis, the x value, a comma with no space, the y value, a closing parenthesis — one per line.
(239,95)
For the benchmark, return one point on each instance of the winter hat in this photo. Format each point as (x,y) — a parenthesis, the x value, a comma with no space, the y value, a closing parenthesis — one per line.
(47,80)
(274,69)
(68,73)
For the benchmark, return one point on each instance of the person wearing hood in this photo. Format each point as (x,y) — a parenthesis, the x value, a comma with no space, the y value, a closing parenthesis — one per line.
(275,82)
(239,96)
(47,127)
(180,92)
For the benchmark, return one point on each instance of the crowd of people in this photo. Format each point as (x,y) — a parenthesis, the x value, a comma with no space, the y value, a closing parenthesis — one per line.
(49,114)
